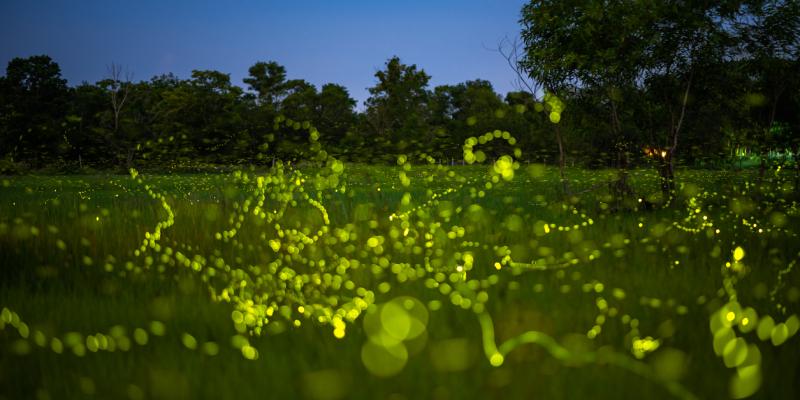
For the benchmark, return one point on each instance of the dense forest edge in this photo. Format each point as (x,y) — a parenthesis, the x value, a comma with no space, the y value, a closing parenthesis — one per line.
(712,85)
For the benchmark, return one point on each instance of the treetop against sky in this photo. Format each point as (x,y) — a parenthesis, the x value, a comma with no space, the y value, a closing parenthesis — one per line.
(342,42)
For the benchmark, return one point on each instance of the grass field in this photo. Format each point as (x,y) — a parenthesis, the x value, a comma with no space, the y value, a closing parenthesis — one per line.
(406,282)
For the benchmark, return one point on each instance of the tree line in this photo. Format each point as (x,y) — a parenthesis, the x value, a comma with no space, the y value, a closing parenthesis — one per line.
(208,120)
(600,83)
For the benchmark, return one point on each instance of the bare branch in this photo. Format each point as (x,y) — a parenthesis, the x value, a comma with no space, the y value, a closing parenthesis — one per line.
(511,50)
(119,90)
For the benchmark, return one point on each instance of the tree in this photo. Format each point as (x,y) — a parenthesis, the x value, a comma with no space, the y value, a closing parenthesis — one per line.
(300,100)
(34,100)
(210,110)
(689,45)
(199,119)
(118,88)
(769,39)
(512,51)
(268,80)
(85,111)
(336,115)
(298,105)
(587,43)
(396,109)
(467,109)
(151,122)
(621,46)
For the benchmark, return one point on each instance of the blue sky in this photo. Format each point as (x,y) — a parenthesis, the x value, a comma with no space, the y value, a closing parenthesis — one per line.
(336,41)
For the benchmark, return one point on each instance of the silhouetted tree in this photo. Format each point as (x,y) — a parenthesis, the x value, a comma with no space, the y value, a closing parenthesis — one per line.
(396,109)
(34,99)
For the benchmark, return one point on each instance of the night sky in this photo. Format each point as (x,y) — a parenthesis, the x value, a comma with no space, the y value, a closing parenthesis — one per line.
(342,42)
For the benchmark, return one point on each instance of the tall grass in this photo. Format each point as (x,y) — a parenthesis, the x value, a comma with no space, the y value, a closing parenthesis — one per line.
(598,279)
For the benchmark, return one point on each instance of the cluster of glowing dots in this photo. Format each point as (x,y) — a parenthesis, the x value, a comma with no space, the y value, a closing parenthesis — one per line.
(734,348)
(333,275)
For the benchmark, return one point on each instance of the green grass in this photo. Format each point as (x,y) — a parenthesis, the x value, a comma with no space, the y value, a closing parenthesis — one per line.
(72,260)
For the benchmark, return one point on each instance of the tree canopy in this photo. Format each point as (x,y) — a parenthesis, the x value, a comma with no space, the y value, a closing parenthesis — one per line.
(659,82)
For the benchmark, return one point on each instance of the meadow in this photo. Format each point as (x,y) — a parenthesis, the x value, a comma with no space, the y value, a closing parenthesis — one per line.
(412,281)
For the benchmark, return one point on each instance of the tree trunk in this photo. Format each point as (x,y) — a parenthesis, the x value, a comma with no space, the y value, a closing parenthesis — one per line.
(668,162)
(561,161)
(620,189)
(666,172)
(796,156)
(762,168)
(129,158)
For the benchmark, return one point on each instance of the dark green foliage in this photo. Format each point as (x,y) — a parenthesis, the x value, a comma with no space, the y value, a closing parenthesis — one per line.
(33,104)
(396,110)
(335,115)
(697,80)
(708,82)
(267,79)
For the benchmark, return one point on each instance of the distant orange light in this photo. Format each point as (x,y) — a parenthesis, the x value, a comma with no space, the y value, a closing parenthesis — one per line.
(655,152)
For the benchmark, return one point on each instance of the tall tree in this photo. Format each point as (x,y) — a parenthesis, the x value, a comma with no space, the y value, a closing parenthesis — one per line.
(769,39)
(512,51)
(396,108)
(300,106)
(268,80)
(118,86)
(34,100)
(206,110)
(151,117)
(467,109)
(300,100)
(585,43)
(216,120)
(81,126)
(336,113)
(620,46)
(688,45)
